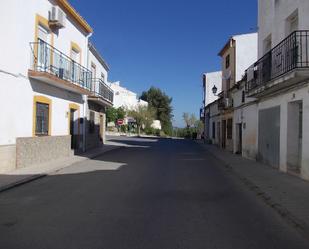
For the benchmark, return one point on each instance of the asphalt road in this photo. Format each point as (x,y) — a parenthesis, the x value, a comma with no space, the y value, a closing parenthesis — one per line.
(165,194)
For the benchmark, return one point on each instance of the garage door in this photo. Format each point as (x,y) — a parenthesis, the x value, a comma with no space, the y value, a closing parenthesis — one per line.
(269,136)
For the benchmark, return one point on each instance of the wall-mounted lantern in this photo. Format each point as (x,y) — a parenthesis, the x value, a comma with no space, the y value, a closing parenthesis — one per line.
(214,90)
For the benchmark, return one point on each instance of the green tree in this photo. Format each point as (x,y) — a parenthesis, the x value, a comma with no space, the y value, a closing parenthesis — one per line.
(189,119)
(199,126)
(121,113)
(143,116)
(186,119)
(161,103)
(192,120)
(113,114)
(193,126)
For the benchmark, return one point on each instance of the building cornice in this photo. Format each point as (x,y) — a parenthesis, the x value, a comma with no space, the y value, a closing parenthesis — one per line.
(96,53)
(68,8)
(226,46)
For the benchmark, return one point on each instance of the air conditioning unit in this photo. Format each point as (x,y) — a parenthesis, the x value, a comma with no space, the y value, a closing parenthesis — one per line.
(57,17)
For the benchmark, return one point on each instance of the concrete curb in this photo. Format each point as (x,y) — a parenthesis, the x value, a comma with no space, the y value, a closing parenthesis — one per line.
(21,182)
(299,225)
(32,178)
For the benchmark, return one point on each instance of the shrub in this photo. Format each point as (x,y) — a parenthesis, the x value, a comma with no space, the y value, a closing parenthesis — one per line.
(162,134)
(124,128)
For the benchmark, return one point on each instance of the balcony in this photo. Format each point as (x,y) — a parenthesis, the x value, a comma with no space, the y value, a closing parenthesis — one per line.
(51,66)
(101,93)
(225,101)
(283,66)
(225,104)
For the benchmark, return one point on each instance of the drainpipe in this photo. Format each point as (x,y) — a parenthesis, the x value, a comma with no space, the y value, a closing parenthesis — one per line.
(85,98)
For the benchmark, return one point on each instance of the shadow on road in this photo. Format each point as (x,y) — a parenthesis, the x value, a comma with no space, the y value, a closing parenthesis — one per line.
(145,195)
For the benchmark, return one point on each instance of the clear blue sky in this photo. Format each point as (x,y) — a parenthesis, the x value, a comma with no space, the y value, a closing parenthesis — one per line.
(166,43)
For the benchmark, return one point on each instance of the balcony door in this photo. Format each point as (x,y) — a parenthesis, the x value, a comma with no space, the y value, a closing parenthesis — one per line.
(95,86)
(76,57)
(44,51)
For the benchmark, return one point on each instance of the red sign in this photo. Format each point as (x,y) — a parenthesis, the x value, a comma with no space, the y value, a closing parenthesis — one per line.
(120,122)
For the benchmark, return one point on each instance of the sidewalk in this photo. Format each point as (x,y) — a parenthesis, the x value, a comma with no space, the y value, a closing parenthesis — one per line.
(24,175)
(288,195)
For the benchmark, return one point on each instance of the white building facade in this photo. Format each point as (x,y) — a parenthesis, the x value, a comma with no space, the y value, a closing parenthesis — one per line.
(99,101)
(125,98)
(129,101)
(239,52)
(279,83)
(211,80)
(45,82)
(245,122)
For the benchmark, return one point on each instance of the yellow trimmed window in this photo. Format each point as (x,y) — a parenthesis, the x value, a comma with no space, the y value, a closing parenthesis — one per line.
(42,116)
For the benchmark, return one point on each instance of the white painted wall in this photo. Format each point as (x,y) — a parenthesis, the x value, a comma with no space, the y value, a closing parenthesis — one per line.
(245,53)
(247,116)
(125,98)
(245,113)
(20,30)
(16,90)
(214,116)
(156,124)
(17,107)
(212,79)
(100,69)
(272,19)
(301,94)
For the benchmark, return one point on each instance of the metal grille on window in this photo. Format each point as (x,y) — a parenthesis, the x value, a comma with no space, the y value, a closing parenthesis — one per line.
(42,119)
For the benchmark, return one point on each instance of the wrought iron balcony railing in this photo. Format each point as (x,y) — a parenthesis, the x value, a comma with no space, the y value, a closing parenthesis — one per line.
(225,103)
(100,89)
(46,58)
(292,53)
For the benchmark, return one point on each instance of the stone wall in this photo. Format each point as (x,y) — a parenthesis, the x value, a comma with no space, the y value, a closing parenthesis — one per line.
(35,150)
(7,158)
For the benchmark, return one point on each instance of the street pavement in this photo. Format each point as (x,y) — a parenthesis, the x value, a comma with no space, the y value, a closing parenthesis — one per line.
(152,194)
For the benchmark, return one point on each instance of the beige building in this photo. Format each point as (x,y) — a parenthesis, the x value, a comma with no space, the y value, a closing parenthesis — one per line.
(238,53)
